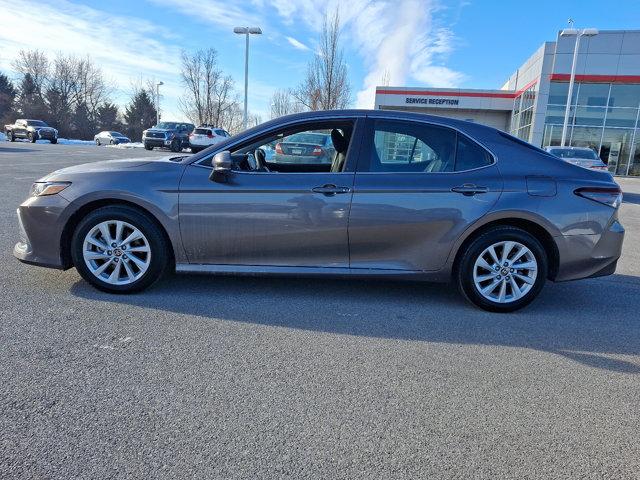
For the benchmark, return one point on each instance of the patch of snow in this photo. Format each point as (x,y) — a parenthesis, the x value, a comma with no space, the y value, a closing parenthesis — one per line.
(3,137)
(127,145)
(70,141)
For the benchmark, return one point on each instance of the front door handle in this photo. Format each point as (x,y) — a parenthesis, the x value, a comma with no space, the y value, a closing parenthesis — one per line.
(330,189)
(469,189)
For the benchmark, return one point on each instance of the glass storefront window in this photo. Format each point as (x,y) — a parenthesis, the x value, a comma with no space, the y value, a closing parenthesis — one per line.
(593,94)
(552,135)
(622,117)
(625,96)
(558,92)
(589,116)
(634,168)
(585,137)
(615,149)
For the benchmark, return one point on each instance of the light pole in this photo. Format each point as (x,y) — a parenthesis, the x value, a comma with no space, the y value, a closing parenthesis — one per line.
(158,102)
(246,31)
(587,32)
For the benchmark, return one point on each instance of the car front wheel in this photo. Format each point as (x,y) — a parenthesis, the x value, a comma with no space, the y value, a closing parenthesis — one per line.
(148,147)
(119,250)
(502,270)
(32,137)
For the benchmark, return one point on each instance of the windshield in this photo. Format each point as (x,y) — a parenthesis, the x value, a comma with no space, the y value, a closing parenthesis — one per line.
(36,123)
(167,125)
(573,153)
(316,138)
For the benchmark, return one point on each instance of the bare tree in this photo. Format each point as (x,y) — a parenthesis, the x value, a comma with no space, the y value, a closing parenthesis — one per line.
(209,96)
(283,102)
(34,63)
(326,86)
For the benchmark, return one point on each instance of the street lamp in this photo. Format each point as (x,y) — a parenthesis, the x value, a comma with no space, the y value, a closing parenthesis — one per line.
(158,102)
(246,31)
(567,32)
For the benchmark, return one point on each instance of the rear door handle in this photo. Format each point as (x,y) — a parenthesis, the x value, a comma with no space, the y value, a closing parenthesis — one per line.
(469,189)
(330,189)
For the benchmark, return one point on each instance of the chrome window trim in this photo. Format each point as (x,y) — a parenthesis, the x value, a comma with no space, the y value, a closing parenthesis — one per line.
(275,127)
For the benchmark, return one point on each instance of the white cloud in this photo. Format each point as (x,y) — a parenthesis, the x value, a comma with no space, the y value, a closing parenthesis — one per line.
(297,43)
(118,44)
(397,40)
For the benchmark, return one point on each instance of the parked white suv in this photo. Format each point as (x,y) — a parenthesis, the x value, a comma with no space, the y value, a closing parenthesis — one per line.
(205,135)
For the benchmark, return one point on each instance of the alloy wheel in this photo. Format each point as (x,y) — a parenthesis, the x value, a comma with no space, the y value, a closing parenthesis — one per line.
(505,271)
(116,252)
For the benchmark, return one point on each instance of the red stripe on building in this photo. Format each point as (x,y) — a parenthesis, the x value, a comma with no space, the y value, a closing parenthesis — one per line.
(565,77)
(436,93)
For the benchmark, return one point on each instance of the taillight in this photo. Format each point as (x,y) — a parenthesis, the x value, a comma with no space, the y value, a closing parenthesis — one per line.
(210,134)
(611,196)
(317,152)
(278,148)
(190,135)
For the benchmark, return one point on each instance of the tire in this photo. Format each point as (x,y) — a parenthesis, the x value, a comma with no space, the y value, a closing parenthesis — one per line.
(11,136)
(54,141)
(130,277)
(475,281)
(148,147)
(195,149)
(98,142)
(111,142)
(176,146)
(32,138)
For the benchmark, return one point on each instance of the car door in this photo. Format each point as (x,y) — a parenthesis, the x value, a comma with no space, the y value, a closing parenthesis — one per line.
(417,187)
(294,217)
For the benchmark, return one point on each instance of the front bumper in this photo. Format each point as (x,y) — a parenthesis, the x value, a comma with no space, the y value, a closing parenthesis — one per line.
(46,135)
(582,256)
(41,231)
(157,142)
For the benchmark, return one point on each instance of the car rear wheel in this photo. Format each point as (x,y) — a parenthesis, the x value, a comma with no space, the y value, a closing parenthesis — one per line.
(98,142)
(502,270)
(119,250)
(176,146)
(54,141)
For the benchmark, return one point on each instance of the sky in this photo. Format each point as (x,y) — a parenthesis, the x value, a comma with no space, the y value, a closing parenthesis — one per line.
(433,43)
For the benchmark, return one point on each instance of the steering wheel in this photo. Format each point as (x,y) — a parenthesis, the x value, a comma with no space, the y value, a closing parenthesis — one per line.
(261,160)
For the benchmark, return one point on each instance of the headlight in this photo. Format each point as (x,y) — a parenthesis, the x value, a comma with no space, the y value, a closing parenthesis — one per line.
(40,189)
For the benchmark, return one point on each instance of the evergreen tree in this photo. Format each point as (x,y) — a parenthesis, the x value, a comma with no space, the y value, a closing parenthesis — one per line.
(59,112)
(107,117)
(7,97)
(139,115)
(30,104)
(84,126)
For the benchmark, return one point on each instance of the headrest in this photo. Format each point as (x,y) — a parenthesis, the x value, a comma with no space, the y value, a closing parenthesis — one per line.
(339,142)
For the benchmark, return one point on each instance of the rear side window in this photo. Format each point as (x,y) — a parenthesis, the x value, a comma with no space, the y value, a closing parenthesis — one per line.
(220,132)
(201,131)
(470,155)
(407,147)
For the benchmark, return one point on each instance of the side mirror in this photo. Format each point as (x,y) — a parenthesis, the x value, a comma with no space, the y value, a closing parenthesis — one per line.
(221,164)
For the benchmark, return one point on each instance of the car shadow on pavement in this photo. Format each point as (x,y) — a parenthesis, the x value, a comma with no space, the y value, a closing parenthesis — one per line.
(588,321)
(631,198)
(17,150)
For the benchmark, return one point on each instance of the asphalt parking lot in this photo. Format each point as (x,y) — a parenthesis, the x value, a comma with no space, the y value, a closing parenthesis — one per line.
(220,377)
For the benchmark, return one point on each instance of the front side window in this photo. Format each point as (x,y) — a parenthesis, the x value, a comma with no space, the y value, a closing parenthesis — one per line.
(311,149)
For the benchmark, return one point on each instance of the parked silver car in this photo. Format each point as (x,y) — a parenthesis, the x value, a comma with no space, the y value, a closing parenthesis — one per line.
(582,156)
(405,196)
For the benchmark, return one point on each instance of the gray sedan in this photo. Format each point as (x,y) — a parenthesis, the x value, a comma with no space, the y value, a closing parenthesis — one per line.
(405,196)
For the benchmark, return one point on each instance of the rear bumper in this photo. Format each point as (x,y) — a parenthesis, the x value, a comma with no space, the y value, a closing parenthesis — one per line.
(40,231)
(582,256)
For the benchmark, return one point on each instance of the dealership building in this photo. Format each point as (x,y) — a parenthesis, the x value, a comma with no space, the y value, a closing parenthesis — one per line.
(604,111)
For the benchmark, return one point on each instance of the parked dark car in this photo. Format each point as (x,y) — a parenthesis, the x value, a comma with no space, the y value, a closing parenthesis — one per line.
(405,196)
(172,135)
(31,130)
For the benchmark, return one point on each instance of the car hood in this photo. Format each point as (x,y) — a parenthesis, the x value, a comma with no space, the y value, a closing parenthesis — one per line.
(107,166)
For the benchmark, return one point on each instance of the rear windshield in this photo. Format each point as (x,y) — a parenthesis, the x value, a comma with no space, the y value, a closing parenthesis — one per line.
(315,138)
(571,153)
(36,123)
(202,131)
